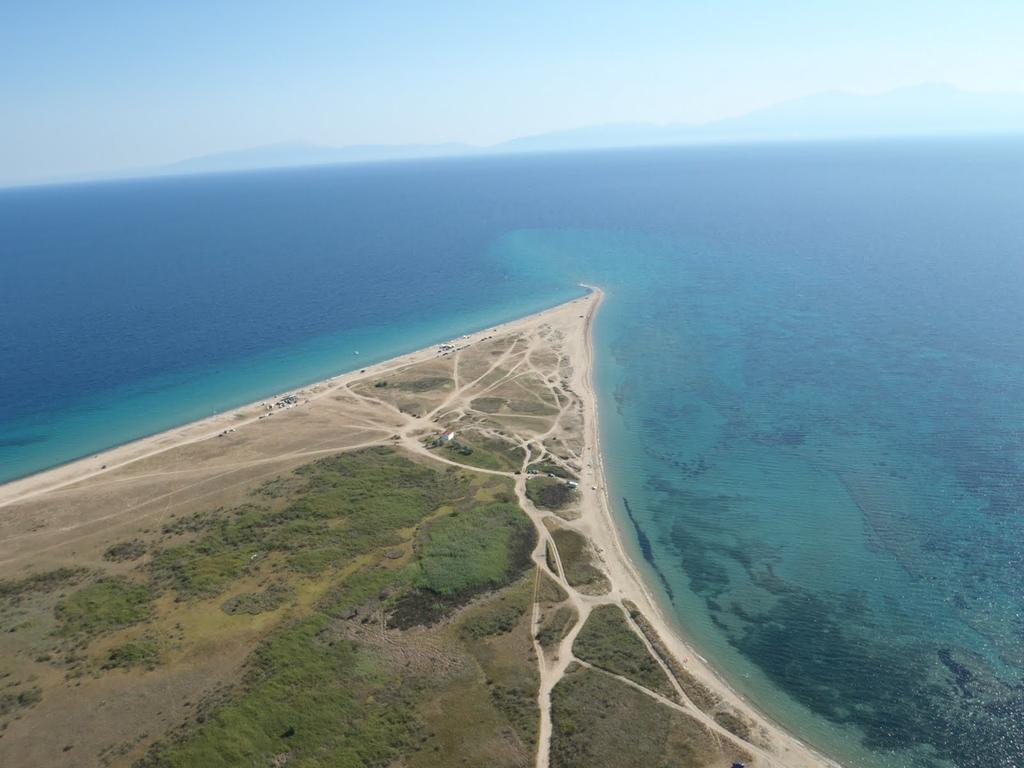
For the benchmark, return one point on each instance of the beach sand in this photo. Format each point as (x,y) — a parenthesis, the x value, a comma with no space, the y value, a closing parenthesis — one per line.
(72,512)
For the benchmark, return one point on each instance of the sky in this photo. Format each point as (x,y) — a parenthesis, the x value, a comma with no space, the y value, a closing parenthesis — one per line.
(95,86)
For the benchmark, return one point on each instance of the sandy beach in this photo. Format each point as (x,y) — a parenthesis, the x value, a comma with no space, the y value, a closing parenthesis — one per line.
(780,747)
(43,520)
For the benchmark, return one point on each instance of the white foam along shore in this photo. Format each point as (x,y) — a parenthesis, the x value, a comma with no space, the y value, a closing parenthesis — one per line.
(778,747)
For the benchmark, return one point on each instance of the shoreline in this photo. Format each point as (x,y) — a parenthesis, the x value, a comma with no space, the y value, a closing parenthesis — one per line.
(629,582)
(197,430)
(507,314)
(598,520)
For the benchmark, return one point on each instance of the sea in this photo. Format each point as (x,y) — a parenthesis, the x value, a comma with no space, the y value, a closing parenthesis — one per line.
(810,366)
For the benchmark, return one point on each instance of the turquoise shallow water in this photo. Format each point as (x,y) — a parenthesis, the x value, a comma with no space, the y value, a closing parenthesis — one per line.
(831,508)
(125,412)
(809,362)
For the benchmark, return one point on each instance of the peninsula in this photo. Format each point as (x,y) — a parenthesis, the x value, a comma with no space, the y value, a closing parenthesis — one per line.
(414,564)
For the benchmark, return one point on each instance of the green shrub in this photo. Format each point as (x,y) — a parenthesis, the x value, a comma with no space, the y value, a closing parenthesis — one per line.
(556,626)
(481,548)
(574,552)
(144,652)
(477,450)
(600,722)
(344,506)
(110,603)
(549,493)
(125,550)
(270,599)
(499,616)
(12,590)
(11,703)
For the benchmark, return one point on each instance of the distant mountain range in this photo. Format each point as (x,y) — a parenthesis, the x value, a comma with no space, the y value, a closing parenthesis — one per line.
(923,110)
(300,153)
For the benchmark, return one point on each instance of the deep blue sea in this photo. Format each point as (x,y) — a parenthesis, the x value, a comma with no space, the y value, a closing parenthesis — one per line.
(810,360)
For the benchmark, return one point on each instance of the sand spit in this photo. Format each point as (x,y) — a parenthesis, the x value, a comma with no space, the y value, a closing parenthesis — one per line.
(525,386)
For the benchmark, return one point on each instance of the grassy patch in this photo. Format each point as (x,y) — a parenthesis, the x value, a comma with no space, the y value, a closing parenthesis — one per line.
(702,697)
(580,571)
(477,450)
(194,523)
(498,616)
(734,723)
(144,652)
(107,604)
(549,590)
(462,554)
(202,569)
(608,642)
(483,713)
(13,703)
(550,559)
(316,701)
(345,506)
(480,548)
(508,662)
(549,492)
(125,550)
(488,404)
(518,405)
(13,590)
(556,626)
(599,722)
(332,688)
(423,383)
(269,599)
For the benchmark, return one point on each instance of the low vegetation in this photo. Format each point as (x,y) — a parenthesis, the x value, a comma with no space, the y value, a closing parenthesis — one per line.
(699,694)
(600,722)
(345,685)
(125,550)
(488,404)
(15,700)
(549,590)
(107,604)
(556,626)
(347,505)
(466,552)
(607,641)
(269,599)
(422,383)
(550,559)
(143,652)
(485,452)
(577,560)
(505,656)
(13,590)
(498,616)
(549,493)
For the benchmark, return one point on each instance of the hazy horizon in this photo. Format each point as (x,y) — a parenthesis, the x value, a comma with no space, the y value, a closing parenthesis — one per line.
(909,112)
(112,87)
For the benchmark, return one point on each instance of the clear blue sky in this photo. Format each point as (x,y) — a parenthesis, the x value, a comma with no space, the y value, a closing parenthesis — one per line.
(88,86)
